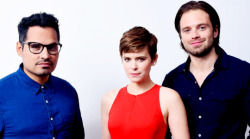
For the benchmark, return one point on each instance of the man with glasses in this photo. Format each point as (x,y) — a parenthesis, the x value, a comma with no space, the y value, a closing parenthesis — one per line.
(33,103)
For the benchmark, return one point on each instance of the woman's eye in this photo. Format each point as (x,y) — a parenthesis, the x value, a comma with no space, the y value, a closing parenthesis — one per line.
(141,59)
(126,59)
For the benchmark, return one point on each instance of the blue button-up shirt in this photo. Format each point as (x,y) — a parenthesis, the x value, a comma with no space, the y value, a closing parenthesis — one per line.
(29,110)
(219,109)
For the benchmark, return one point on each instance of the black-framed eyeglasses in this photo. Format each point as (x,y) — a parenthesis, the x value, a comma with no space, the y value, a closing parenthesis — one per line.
(37,48)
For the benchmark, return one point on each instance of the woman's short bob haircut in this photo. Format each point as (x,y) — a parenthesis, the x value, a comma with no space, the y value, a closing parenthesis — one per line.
(136,39)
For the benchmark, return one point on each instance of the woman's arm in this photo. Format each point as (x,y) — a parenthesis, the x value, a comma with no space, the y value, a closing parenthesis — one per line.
(175,114)
(106,104)
(104,117)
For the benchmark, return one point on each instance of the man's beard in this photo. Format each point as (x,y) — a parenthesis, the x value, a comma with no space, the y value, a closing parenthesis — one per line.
(200,53)
(43,74)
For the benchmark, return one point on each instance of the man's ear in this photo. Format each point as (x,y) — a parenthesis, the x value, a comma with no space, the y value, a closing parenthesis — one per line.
(216,32)
(19,49)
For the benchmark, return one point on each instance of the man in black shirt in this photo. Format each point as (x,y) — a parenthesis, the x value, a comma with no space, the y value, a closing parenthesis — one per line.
(214,86)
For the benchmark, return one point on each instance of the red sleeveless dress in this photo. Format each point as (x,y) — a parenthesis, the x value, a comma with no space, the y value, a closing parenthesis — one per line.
(137,116)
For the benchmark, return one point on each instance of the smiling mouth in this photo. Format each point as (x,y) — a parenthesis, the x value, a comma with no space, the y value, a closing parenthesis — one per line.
(195,44)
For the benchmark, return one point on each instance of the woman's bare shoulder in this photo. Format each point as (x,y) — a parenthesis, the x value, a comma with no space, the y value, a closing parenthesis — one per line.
(110,96)
(169,94)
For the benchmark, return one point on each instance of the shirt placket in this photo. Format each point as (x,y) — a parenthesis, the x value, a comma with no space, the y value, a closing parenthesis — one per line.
(199,116)
(195,98)
(46,99)
(201,111)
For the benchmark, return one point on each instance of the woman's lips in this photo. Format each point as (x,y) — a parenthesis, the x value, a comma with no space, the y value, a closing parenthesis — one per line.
(135,74)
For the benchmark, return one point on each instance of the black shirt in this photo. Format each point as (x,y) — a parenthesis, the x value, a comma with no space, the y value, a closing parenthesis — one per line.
(220,108)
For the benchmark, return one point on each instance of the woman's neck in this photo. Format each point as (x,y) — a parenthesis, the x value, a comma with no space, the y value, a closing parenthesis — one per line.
(140,88)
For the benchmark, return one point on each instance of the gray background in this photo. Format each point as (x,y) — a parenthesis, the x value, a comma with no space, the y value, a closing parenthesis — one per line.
(90,34)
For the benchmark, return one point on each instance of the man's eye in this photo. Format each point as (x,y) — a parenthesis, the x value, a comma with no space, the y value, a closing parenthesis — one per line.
(35,46)
(202,27)
(52,47)
(186,30)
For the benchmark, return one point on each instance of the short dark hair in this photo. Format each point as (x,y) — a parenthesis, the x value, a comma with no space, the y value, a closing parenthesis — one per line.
(199,5)
(136,39)
(38,19)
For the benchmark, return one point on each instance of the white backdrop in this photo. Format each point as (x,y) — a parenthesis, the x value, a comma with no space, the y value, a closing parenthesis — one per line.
(90,34)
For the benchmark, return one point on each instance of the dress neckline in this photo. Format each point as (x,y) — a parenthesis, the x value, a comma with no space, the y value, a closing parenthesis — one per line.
(141,93)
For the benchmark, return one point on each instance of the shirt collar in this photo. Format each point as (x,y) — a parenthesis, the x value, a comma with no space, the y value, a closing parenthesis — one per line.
(33,86)
(49,84)
(220,63)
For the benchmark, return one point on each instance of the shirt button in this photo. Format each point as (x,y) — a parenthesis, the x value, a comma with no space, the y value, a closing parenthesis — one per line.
(51,119)
(200,98)
(42,86)
(199,135)
(199,116)
(47,101)
(195,82)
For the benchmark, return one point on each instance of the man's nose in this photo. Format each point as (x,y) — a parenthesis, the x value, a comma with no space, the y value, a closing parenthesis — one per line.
(195,34)
(45,53)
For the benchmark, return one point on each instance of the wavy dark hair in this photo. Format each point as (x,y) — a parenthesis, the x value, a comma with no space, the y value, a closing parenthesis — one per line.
(199,5)
(38,19)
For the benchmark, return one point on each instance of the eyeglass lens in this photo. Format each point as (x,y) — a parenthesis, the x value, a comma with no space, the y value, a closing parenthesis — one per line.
(38,48)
